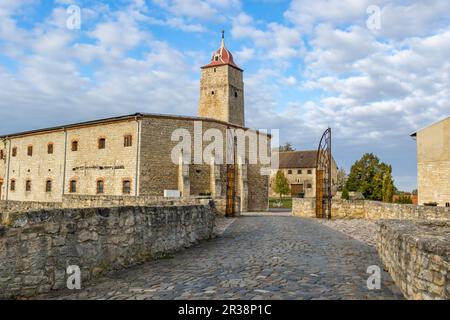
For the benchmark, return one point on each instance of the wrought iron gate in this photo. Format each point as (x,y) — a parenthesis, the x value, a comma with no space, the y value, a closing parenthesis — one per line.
(323,177)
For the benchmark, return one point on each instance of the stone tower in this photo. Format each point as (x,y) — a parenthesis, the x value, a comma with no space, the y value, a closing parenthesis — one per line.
(222,88)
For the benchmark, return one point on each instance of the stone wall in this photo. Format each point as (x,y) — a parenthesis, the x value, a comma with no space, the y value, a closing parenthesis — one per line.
(37,247)
(373,210)
(417,256)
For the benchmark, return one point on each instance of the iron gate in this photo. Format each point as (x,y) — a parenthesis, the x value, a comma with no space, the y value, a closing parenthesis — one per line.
(323,177)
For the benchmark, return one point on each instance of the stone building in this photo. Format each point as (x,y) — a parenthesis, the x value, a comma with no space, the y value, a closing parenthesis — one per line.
(131,155)
(299,167)
(433,163)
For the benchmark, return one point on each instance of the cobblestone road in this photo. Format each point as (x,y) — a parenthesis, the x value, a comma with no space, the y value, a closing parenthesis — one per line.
(257,257)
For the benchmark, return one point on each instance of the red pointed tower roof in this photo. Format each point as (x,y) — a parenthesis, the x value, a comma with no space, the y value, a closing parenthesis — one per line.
(222,57)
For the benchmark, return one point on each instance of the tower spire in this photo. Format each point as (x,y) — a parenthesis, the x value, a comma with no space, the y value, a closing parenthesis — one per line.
(223,39)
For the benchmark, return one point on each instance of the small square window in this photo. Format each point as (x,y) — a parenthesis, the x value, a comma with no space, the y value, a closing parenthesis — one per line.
(212,92)
(309,171)
(289,171)
(299,171)
(309,185)
(102,143)
(30,151)
(50,148)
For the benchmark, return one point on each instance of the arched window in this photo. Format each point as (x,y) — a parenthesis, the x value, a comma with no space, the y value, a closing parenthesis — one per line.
(48,186)
(73,186)
(101,143)
(50,148)
(126,186)
(100,186)
(28,185)
(75,145)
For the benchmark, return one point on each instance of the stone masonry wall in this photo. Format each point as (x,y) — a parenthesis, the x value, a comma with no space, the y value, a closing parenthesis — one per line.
(373,210)
(417,256)
(37,247)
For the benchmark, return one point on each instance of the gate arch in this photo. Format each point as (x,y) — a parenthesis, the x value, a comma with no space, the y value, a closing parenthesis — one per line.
(323,176)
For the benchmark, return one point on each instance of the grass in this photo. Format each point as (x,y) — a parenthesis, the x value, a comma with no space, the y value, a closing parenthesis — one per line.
(286,203)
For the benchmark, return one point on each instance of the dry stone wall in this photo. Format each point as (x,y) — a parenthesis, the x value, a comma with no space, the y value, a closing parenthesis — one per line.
(417,256)
(373,210)
(37,247)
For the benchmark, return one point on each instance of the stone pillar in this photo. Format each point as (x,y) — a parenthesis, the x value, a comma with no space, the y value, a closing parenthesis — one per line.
(216,181)
(243,184)
(184,184)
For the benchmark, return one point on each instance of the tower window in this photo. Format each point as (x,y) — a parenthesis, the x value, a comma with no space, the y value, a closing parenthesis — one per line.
(236,94)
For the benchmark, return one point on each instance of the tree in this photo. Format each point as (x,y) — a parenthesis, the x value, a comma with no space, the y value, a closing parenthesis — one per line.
(341,179)
(287,147)
(388,185)
(281,184)
(345,195)
(372,178)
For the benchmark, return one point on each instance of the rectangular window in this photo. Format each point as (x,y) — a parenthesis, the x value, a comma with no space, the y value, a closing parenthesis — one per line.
(309,171)
(74,145)
(30,151)
(309,185)
(14,151)
(100,186)
(126,187)
(289,171)
(13,185)
(50,148)
(73,186)
(48,186)
(28,185)
(128,141)
(299,171)
(1,155)
(102,143)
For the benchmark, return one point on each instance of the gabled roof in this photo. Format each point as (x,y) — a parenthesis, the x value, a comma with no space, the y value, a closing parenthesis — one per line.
(414,134)
(298,159)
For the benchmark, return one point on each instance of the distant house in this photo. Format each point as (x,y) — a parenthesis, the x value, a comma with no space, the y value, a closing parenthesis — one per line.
(299,167)
(433,163)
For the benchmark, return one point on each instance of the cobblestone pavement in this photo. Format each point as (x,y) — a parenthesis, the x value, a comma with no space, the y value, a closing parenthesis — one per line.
(360,229)
(257,257)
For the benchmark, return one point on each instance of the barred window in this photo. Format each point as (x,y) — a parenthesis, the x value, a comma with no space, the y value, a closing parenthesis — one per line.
(128,141)
(126,187)
(73,186)
(100,187)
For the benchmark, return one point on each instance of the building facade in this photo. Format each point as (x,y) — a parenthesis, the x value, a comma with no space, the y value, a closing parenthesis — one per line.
(299,167)
(433,163)
(132,155)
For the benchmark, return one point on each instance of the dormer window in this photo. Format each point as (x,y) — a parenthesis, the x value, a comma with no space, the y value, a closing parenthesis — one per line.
(216,58)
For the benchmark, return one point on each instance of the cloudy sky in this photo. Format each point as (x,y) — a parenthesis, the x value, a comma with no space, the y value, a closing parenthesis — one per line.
(308,65)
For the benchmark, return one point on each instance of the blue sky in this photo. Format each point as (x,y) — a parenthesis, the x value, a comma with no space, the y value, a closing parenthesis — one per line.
(308,65)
